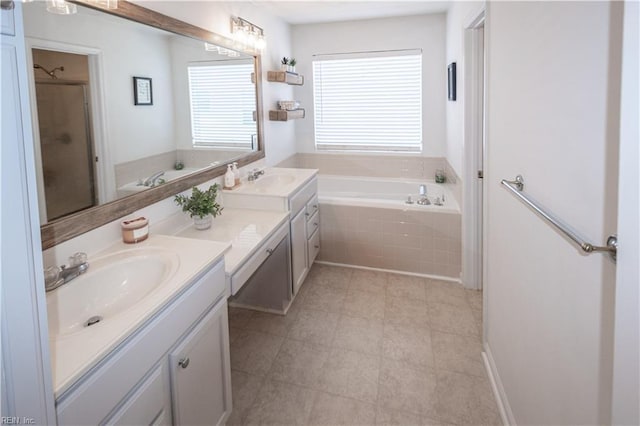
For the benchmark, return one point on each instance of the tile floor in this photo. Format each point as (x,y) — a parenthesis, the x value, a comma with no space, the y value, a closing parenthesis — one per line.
(363,348)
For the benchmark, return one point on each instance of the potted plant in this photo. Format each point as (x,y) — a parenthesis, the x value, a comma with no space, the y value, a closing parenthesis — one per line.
(201,206)
(284,64)
(292,65)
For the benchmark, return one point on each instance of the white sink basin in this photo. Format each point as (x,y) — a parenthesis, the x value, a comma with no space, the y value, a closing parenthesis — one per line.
(267,182)
(112,285)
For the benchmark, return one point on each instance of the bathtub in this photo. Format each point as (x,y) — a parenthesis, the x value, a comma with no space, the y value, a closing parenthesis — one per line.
(384,193)
(366,222)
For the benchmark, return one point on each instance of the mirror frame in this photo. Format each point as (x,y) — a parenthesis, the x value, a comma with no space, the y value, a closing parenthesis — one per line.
(68,227)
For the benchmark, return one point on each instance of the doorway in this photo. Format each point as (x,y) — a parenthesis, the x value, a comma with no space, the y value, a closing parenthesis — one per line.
(474,147)
(64,122)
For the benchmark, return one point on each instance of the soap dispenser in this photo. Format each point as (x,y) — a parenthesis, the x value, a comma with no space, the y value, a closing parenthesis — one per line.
(236,173)
(229,178)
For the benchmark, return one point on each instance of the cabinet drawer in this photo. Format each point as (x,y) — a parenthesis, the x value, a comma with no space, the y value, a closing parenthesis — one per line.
(312,207)
(148,401)
(300,199)
(313,246)
(312,224)
(251,265)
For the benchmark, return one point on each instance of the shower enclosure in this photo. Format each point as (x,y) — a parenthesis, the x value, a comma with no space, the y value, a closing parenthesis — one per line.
(66,147)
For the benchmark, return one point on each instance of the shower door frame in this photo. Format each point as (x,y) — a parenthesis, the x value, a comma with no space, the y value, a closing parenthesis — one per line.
(104,175)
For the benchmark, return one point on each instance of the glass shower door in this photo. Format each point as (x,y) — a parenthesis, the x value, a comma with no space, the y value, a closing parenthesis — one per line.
(67,151)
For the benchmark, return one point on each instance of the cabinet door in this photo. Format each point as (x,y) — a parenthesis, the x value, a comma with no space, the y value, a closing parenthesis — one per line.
(201,372)
(299,264)
(148,404)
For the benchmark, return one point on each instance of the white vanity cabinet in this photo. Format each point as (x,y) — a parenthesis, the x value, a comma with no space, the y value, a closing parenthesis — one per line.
(305,235)
(175,369)
(292,190)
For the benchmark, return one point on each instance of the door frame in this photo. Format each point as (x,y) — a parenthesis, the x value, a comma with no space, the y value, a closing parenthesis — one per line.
(626,356)
(474,148)
(105,176)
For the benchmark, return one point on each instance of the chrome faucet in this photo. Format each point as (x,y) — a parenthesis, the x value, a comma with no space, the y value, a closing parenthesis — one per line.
(254,174)
(152,180)
(55,276)
(423,201)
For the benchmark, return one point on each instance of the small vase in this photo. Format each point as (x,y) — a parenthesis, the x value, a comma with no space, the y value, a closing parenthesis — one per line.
(284,67)
(202,223)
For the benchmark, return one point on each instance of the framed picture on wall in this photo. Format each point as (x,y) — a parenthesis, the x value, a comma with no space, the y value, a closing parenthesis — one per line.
(142,91)
(451,87)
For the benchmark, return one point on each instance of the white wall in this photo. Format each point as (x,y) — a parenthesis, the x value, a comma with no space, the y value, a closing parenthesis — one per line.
(458,16)
(128,136)
(553,115)
(421,31)
(215,16)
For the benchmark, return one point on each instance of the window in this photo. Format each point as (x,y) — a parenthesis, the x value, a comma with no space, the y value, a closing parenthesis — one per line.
(223,103)
(368,101)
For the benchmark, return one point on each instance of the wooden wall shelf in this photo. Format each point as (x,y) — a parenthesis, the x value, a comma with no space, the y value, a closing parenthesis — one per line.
(284,115)
(285,77)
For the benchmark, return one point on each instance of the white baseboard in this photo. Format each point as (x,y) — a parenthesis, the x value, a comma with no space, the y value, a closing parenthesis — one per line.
(498,390)
(393,271)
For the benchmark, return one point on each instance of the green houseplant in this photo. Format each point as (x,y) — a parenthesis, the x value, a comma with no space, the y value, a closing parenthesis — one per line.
(201,205)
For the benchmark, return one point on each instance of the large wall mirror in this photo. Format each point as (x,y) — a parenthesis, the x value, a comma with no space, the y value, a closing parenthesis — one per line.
(131,107)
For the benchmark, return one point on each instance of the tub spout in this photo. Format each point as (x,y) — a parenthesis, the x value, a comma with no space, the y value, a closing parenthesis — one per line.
(153,179)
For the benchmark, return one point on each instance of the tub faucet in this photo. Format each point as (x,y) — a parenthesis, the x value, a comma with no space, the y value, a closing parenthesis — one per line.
(153,179)
(55,276)
(423,201)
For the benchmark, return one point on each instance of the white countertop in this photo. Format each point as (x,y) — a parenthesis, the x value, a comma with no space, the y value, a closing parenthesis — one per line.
(74,354)
(280,189)
(244,229)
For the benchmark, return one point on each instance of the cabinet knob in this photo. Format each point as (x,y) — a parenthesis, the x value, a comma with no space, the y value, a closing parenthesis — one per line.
(306,214)
(315,206)
(315,223)
(184,362)
(316,246)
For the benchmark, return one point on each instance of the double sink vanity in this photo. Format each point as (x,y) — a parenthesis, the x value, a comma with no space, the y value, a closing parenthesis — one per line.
(142,337)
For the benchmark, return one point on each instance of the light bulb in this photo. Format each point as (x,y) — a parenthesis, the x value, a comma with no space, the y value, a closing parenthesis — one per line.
(261,43)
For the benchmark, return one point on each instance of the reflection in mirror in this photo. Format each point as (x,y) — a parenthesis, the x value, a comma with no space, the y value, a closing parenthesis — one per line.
(93,143)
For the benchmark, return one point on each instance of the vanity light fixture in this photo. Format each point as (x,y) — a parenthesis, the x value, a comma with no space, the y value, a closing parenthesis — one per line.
(61,7)
(247,35)
(220,50)
(107,4)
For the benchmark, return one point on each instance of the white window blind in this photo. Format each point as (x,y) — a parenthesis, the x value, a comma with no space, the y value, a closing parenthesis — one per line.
(223,104)
(368,102)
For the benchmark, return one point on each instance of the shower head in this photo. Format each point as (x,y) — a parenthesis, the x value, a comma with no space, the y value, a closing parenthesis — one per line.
(51,73)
